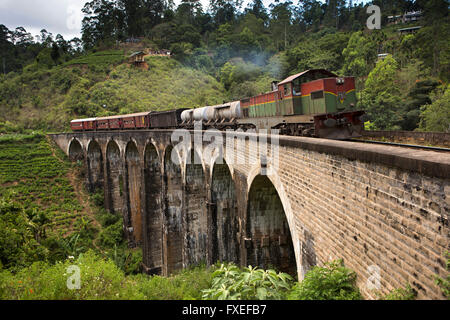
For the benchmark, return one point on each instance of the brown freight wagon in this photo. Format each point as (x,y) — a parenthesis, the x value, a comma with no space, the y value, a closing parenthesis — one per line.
(109,123)
(136,121)
(166,119)
(102,124)
(83,124)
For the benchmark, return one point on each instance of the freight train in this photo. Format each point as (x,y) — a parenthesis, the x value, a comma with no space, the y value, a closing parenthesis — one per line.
(314,103)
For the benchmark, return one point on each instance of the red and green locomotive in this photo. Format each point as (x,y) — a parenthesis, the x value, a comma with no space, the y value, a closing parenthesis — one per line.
(312,103)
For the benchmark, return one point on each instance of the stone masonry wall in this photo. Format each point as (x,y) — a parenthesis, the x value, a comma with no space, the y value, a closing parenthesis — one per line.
(373,215)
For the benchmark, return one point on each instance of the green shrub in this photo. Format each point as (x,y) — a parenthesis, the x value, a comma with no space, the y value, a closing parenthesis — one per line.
(63,80)
(128,260)
(406,293)
(18,246)
(436,116)
(231,283)
(106,218)
(112,235)
(98,198)
(133,262)
(330,282)
(44,59)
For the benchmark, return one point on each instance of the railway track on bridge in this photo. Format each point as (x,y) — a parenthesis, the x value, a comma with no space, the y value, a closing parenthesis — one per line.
(394,144)
(438,139)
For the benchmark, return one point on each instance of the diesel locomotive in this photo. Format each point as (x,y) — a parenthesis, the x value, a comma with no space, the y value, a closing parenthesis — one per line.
(314,103)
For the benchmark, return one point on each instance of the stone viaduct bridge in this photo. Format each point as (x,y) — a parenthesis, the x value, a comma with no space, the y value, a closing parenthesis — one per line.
(383,210)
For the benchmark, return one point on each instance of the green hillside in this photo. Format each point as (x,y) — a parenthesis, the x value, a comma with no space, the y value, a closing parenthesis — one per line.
(101,84)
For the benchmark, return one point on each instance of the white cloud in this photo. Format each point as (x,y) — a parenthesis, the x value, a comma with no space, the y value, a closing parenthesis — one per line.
(56,16)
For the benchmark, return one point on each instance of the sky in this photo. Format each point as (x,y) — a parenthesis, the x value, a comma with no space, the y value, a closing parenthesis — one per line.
(56,16)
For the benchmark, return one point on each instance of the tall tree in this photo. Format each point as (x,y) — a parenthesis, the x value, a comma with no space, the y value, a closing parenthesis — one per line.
(281,18)
(432,41)
(381,96)
(133,14)
(46,38)
(188,10)
(310,12)
(258,9)
(224,11)
(21,37)
(62,44)
(436,116)
(5,34)
(335,10)
(359,55)
(103,21)
(54,54)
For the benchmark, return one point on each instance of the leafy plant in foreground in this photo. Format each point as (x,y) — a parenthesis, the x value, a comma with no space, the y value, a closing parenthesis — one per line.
(231,283)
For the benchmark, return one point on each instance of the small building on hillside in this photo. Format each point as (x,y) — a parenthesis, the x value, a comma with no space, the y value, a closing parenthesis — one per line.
(412,16)
(407,17)
(409,30)
(395,19)
(162,52)
(382,56)
(137,58)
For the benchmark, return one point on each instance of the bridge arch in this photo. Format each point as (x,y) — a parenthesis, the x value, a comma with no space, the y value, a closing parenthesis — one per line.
(115,177)
(95,166)
(75,150)
(223,216)
(133,174)
(153,217)
(173,204)
(195,219)
(268,229)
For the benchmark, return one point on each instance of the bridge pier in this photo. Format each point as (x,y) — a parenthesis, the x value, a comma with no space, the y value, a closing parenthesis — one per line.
(95,167)
(195,220)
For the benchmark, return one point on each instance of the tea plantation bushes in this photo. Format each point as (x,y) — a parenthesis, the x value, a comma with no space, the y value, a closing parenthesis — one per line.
(106,58)
(34,174)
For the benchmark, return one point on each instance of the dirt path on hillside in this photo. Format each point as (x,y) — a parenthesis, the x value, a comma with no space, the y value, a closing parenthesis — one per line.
(80,192)
(82,196)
